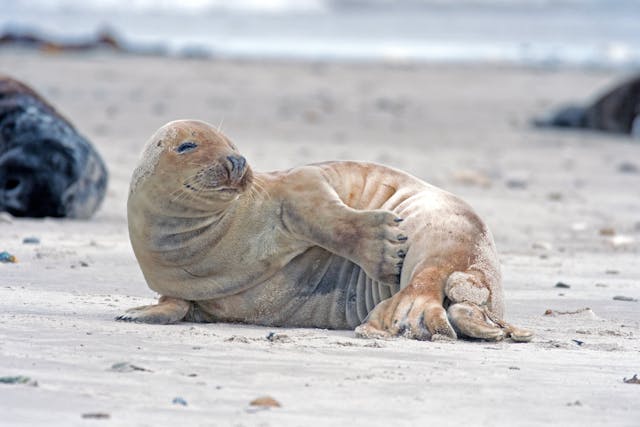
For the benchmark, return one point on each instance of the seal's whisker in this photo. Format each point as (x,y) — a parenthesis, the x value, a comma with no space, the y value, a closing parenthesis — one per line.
(182,195)
(258,186)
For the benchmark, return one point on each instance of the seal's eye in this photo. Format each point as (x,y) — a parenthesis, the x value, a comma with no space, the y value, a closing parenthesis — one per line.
(186,147)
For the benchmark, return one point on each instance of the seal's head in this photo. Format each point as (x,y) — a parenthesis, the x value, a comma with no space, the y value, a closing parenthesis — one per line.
(46,167)
(189,162)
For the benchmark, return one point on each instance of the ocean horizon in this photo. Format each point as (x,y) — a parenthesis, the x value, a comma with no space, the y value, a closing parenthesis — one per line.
(592,33)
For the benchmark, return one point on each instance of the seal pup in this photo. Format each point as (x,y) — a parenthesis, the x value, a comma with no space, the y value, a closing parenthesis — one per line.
(338,245)
(46,167)
(616,111)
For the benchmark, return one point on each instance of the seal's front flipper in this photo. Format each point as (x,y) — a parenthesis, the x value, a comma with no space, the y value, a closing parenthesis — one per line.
(168,310)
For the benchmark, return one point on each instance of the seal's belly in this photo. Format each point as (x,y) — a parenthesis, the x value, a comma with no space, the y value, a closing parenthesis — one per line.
(315,289)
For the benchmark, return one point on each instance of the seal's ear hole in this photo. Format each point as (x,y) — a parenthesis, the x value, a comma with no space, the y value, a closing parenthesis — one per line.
(187,146)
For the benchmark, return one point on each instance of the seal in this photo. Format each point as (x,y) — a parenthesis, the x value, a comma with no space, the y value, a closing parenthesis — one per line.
(46,167)
(337,245)
(617,110)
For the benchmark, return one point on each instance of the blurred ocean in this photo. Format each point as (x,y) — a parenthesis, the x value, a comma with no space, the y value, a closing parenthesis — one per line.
(599,33)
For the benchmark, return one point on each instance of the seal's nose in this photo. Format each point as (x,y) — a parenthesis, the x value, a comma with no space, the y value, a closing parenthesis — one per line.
(237,165)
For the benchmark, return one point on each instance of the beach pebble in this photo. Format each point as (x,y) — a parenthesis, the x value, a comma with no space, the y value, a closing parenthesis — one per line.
(517,183)
(179,401)
(19,379)
(275,337)
(265,401)
(7,257)
(562,285)
(628,167)
(31,240)
(126,367)
(624,298)
(607,231)
(96,416)
(545,246)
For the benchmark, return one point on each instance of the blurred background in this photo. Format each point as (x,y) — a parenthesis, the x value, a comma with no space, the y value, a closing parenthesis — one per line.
(541,32)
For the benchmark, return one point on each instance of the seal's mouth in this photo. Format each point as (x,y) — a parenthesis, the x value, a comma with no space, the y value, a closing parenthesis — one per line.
(229,190)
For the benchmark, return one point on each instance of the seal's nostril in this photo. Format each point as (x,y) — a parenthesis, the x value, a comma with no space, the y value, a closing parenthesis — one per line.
(237,163)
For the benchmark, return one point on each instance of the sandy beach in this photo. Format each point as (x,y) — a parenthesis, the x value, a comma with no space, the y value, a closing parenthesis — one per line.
(563,207)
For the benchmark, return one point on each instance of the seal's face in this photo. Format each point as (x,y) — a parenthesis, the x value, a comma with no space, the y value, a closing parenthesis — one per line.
(35,178)
(201,163)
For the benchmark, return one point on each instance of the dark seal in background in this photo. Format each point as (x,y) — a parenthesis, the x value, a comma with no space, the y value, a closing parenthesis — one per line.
(616,110)
(46,167)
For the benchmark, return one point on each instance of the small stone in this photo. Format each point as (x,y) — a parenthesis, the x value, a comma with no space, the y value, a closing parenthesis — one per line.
(576,403)
(607,231)
(601,285)
(624,298)
(179,401)
(266,402)
(127,367)
(31,240)
(7,257)
(275,337)
(517,183)
(19,379)
(633,380)
(96,416)
(628,167)
(545,246)
(83,264)
(611,272)
(555,196)
(562,285)
(514,368)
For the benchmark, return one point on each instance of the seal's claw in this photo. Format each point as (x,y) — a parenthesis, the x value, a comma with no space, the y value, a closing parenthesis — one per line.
(381,248)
